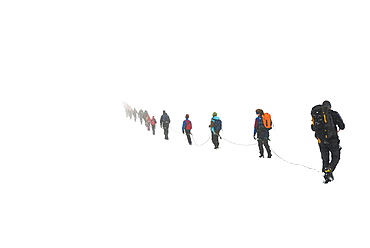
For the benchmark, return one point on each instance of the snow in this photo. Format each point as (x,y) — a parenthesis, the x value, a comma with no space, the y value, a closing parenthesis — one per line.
(75,172)
(189,196)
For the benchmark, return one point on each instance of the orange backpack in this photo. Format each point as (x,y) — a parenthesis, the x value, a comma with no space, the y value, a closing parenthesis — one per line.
(266,120)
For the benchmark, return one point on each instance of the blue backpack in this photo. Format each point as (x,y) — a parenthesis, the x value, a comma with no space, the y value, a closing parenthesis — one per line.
(217,125)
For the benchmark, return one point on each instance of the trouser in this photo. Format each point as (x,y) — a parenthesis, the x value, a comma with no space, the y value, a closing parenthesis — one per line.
(187,132)
(141,120)
(215,140)
(166,132)
(153,128)
(331,148)
(264,142)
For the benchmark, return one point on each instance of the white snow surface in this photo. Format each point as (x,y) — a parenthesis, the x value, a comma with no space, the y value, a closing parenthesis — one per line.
(189,196)
(75,172)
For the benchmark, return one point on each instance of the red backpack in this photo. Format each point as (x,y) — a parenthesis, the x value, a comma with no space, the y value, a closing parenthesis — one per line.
(153,122)
(188,125)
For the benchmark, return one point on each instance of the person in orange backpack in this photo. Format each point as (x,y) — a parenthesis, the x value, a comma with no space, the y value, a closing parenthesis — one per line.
(153,122)
(186,128)
(262,125)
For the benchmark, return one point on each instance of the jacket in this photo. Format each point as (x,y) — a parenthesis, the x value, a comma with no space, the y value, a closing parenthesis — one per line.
(153,121)
(260,129)
(212,125)
(184,125)
(165,120)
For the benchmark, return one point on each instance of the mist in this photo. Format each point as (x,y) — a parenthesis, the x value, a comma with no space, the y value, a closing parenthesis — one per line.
(76,172)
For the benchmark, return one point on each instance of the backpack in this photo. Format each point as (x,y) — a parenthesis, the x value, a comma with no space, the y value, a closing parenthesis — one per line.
(188,125)
(322,123)
(217,125)
(166,119)
(266,120)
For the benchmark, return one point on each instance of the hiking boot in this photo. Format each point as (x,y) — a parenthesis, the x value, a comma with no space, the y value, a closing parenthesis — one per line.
(328,175)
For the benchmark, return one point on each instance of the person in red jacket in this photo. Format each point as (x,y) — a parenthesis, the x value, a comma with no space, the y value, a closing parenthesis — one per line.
(148,121)
(186,128)
(153,122)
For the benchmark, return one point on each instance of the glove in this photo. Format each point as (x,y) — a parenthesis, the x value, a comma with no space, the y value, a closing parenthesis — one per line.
(254,136)
(183,131)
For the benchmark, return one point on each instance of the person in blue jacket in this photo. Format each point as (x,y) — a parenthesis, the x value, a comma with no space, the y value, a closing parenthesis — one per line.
(186,128)
(216,126)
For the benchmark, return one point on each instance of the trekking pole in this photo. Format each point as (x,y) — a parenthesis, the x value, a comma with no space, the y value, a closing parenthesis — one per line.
(216,133)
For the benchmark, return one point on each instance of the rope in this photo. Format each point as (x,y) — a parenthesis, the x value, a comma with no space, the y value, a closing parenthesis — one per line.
(175,130)
(201,144)
(237,143)
(192,136)
(307,167)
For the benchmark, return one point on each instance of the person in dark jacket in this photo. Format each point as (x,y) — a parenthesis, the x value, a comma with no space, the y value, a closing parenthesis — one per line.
(331,145)
(165,123)
(141,116)
(216,126)
(186,128)
(262,134)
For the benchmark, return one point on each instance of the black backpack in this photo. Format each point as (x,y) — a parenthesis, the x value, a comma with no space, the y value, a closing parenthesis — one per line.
(165,119)
(322,123)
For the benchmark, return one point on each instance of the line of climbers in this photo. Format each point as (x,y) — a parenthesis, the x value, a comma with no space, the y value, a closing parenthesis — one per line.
(142,115)
(324,124)
(148,122)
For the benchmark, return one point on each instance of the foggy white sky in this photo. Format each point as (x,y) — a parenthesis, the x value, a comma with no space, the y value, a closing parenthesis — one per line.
(154,53)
